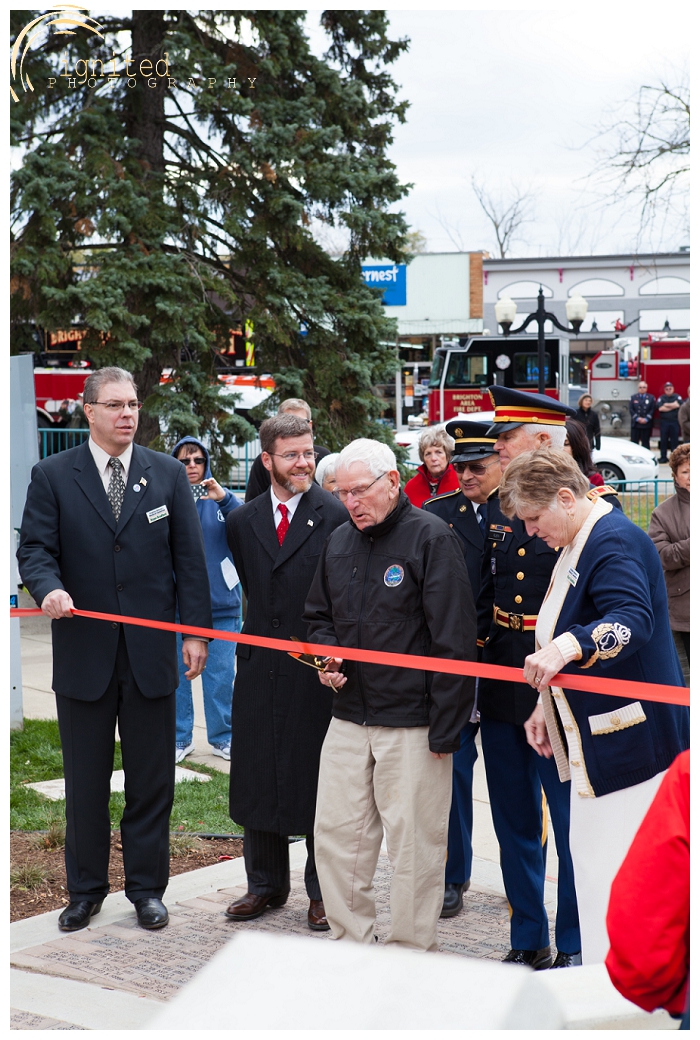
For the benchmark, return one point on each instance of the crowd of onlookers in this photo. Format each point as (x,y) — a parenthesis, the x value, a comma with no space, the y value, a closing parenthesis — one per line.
(517,556)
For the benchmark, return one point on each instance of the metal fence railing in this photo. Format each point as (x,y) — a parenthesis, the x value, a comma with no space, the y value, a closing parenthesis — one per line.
(639,498)
(54,440)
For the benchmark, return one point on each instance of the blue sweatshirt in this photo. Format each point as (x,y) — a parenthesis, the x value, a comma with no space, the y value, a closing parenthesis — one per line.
(225,602)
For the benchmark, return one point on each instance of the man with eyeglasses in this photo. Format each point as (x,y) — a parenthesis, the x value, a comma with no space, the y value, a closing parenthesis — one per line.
(392,579)
(259,476)
(476,464)
(111,527)
(279,715)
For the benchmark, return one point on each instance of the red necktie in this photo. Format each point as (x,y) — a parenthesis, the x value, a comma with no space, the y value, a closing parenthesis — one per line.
(283,525)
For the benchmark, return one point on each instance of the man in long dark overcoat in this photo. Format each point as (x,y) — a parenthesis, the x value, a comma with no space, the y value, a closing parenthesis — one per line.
(280,711)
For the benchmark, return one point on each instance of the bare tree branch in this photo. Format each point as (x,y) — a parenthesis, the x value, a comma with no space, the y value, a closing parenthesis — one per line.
(506,212)
(645,156)
(451,230)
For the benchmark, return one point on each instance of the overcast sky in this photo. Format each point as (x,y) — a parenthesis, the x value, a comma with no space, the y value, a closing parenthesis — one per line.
(515,97)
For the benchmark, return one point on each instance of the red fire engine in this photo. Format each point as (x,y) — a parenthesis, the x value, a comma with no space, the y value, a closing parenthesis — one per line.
(613,381)
(461,374)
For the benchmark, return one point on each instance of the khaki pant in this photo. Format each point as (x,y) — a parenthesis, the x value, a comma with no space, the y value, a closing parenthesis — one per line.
(376,779)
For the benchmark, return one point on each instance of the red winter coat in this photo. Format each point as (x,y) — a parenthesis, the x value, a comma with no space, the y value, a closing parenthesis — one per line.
(418,487)
(649,911)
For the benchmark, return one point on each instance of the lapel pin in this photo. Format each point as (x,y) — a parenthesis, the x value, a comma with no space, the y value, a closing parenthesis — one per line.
(136,487)
(309,523)
(143,481)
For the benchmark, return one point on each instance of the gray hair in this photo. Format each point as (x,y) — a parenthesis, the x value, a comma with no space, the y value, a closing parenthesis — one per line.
(378,458)
(326,468)
(280,427)
(556,434)
(435,437)
(294,404)
(98,379)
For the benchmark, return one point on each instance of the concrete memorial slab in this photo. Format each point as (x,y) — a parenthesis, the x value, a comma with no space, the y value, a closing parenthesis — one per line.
(55,790)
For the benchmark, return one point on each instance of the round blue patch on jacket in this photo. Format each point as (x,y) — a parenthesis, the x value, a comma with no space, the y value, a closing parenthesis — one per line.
(393,575)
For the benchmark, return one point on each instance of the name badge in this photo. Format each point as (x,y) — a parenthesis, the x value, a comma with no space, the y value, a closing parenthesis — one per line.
(157,514)
(572,576)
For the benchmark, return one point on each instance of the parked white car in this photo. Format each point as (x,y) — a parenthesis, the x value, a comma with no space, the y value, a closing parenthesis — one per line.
(617,458)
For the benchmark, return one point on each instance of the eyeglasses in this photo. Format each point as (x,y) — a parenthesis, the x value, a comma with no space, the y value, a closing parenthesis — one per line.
(292,456)
(118,406)
(198,460)
(477,468)
(358,492)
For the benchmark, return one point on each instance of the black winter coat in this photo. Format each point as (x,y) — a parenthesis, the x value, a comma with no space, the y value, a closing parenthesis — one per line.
(591,421)
(401,586)
(280,710)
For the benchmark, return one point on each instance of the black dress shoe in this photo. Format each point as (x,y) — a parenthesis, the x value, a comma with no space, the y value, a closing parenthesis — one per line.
(567,960)
(537,959)
(453,901)
(151,912)
(252,906)
(77,915)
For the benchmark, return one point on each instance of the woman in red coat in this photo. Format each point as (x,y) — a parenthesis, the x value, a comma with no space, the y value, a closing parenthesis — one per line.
(435,475)
(649,911)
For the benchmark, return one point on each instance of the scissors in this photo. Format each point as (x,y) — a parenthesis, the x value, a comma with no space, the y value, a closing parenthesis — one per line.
(319,663)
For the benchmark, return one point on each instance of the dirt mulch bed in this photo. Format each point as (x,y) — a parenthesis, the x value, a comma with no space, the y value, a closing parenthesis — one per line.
(27,851)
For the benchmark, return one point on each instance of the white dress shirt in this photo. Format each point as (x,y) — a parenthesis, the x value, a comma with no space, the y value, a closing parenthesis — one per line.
(291,507)
(102,458)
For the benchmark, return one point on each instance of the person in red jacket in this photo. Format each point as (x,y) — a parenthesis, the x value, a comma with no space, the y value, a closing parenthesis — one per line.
(649,910)
(435,475)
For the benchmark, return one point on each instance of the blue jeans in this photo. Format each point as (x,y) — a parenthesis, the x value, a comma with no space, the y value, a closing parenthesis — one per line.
(217,684)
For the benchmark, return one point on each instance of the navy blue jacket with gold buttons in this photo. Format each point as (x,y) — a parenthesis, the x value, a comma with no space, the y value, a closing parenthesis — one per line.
(457,511)
(515,574)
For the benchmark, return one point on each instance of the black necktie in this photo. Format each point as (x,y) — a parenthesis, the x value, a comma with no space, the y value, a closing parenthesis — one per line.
(116,487)
(481,516)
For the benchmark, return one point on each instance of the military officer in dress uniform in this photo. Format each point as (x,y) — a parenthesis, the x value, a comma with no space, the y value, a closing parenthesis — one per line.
(478,472)
(515,576)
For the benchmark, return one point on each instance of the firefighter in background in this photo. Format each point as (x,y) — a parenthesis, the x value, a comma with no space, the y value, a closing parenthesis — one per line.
(642,408)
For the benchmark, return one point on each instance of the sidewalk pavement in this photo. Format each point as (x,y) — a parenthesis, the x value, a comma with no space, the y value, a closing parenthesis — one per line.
(115,975)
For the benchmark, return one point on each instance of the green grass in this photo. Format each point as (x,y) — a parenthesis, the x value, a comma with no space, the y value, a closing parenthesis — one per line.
(35,754)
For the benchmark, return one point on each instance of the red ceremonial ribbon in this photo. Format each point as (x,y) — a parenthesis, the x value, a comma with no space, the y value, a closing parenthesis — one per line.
(588,683)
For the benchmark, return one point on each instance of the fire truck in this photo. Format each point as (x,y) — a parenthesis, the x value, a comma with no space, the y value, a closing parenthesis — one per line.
(613,380)
(62,373)
(463,371)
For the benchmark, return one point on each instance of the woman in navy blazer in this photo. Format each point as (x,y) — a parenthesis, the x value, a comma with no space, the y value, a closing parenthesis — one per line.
(606,614)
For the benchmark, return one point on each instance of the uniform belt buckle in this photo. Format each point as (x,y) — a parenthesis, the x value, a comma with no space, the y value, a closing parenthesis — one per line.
(516,622)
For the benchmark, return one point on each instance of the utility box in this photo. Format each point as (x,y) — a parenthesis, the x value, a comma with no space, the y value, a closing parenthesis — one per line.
(24,454)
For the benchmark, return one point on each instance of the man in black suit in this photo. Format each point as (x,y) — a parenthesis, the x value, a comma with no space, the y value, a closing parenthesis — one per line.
(280,712)
(478,471)
(112,527)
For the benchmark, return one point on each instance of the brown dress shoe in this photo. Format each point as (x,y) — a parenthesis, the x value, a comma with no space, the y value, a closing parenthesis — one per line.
(252,906)
(317,916)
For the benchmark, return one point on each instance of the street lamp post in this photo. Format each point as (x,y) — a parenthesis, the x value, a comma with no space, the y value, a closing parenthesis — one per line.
(506,310)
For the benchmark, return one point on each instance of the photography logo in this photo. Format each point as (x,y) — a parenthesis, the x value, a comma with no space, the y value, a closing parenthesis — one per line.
(61,18)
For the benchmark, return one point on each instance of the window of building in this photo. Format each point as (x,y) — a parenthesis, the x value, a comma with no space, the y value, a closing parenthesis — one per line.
(654,321)
(597,287)
(667,286)
(525,291)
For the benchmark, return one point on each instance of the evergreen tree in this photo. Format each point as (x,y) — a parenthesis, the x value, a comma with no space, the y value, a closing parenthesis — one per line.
(160,211)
